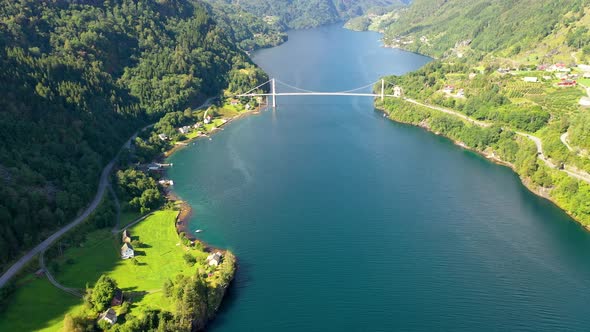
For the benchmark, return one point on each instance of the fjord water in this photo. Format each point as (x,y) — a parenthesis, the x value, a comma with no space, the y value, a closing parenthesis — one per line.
(345,221)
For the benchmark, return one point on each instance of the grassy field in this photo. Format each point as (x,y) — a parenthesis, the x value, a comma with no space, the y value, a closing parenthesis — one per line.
(159,258)
(38,306)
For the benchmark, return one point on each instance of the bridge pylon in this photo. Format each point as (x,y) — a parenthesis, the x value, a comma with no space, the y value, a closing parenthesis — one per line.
(274,93)
(382,89)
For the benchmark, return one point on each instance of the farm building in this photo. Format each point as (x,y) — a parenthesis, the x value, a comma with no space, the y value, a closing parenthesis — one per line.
(110,316)
(127,251)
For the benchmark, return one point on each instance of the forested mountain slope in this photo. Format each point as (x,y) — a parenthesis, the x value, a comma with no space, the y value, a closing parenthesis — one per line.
(300,14)
(77,78)
(248,31)
(507,27)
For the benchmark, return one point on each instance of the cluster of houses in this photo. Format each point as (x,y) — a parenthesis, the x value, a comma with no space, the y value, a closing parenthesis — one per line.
(558,67)
(187,129)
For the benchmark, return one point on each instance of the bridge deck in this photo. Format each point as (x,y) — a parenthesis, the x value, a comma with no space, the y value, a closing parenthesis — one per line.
(314,94)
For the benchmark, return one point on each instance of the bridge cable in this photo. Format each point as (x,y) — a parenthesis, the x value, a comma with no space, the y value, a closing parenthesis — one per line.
(309,91)
(294,87)
(245,93)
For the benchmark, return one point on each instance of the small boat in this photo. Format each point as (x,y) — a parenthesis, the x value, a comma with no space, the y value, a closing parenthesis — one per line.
(198,231)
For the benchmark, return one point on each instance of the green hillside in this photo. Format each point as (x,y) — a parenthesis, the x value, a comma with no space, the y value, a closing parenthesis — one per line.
(77,78)
(517,71)
(507,26)
(300,14)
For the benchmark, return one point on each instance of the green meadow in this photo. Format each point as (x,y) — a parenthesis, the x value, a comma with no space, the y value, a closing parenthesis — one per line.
(38,305)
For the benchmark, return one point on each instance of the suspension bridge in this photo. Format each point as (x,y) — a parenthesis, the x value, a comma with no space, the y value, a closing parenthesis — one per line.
(303,92)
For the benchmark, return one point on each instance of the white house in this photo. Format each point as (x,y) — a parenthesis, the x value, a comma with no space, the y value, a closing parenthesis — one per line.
(109,316)
(585,101)
(184,130)
(530,79)
(214,259)
(163,137)
(127,251)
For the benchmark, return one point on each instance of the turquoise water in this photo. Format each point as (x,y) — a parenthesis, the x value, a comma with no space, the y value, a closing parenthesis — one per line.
(345,221)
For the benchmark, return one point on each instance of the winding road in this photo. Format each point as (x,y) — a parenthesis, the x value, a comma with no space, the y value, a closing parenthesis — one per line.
(569,170)
(102,186)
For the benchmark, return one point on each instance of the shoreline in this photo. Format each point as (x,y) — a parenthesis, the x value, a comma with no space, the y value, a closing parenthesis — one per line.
(186,210)
(540,192)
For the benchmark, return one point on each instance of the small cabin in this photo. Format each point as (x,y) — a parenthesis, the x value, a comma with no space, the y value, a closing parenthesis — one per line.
(109,316)
(531,79)
(163,137)
(117,298)
(127,251)
(214,259)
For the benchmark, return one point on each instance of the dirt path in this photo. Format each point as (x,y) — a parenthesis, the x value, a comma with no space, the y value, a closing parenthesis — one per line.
(135,222)
(71,291)
(563,139)
(451,112)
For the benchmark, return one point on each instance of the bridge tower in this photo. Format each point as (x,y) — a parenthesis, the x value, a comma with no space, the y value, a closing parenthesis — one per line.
(274,93)
(382,89)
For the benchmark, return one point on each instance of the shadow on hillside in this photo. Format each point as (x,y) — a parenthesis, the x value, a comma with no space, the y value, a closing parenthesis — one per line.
(135,297)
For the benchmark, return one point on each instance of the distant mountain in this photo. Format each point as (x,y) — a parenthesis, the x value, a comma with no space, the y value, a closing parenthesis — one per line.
(509,26)
(300,14)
